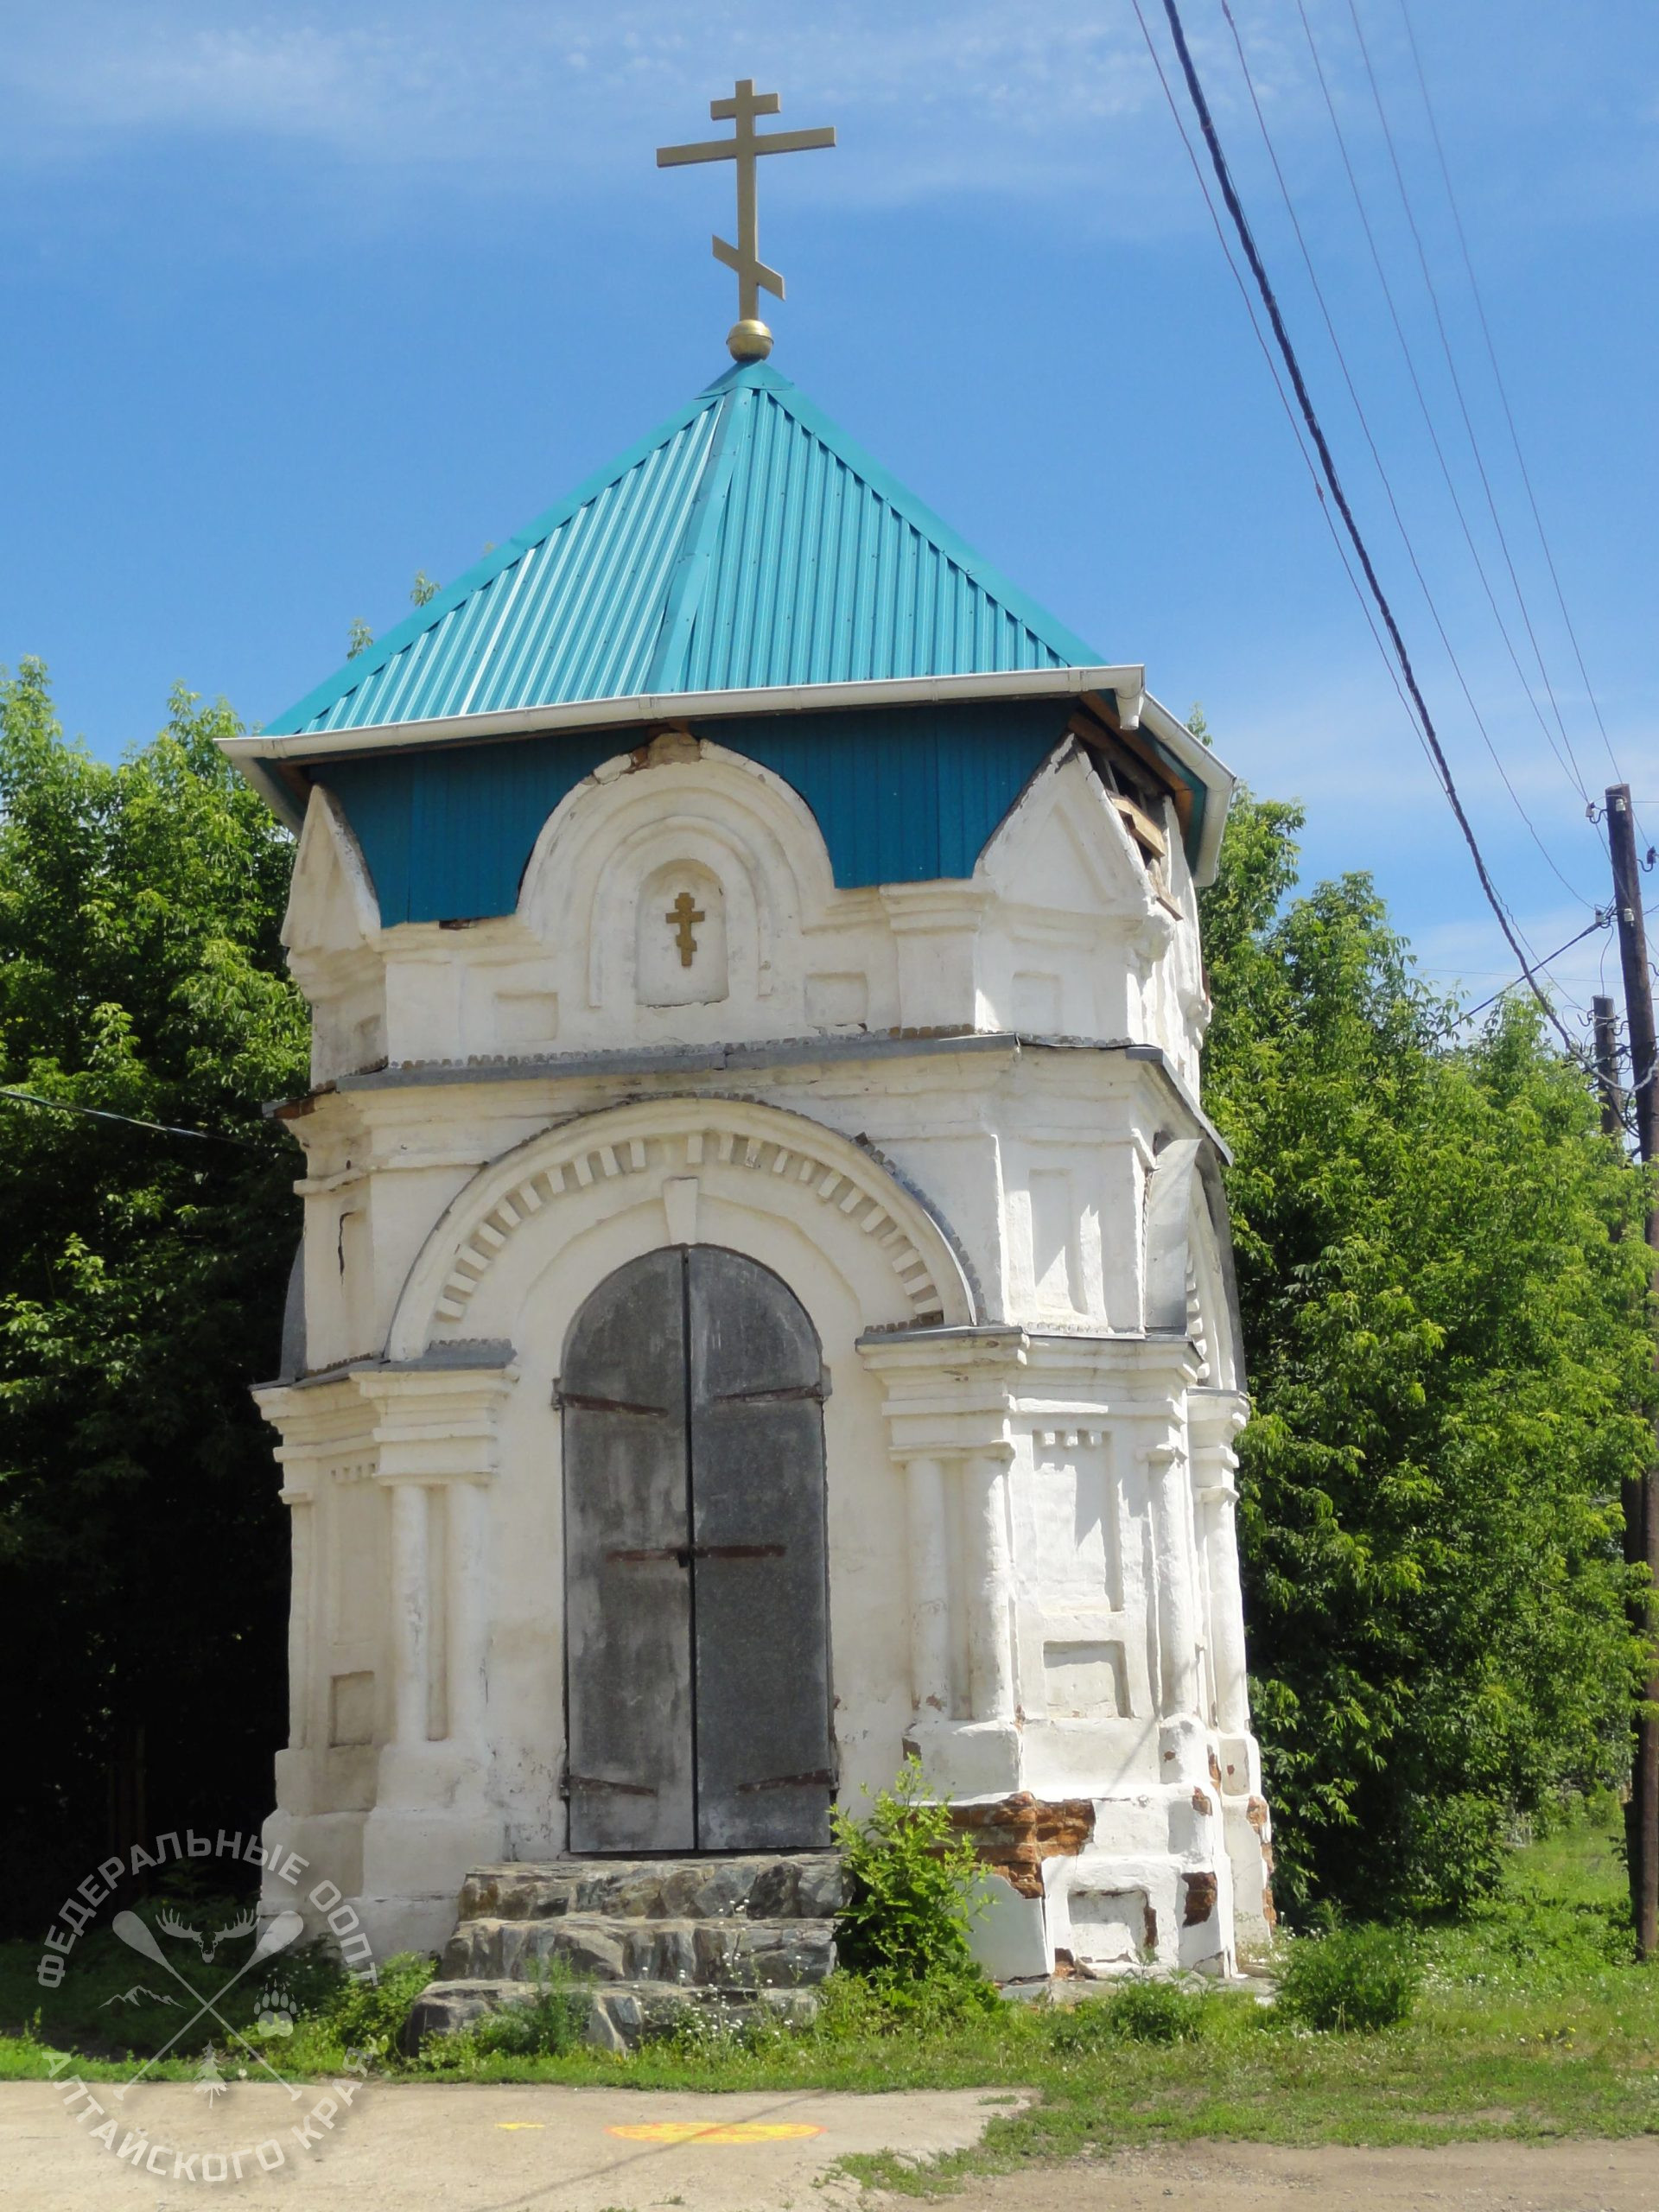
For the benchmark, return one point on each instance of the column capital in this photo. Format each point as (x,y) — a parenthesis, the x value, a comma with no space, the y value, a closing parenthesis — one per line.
(950,1393)
(436,1425)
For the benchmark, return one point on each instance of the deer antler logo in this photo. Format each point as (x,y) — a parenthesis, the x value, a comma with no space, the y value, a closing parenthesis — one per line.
(169,1924)
(243,1924)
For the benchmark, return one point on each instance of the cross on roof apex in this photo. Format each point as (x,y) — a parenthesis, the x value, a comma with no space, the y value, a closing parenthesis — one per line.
(748,339)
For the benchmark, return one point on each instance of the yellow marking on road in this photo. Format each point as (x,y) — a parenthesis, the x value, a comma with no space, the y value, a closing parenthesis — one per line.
(723,2131)
(511,2124)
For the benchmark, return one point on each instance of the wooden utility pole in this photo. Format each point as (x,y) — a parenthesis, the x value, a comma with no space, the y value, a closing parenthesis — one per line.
(1612,1098)
(1642,1495)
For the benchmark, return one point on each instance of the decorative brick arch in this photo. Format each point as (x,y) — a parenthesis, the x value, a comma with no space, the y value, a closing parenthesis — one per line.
(784,1163)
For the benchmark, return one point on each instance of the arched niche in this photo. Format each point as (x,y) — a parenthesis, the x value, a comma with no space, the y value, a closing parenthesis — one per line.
(679,937)
(795,1195)
(585,887)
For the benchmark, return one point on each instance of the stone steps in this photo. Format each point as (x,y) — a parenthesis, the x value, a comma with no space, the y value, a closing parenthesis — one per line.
(735,1953)
(620,2014)
(763,1885)
(743,1939)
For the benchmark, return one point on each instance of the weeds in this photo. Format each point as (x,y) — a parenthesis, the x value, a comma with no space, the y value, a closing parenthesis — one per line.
(1355,1981)
(1135,2012)
(912,1896)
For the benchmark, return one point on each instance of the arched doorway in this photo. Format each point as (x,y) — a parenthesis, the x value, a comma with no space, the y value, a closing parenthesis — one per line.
(697,1605)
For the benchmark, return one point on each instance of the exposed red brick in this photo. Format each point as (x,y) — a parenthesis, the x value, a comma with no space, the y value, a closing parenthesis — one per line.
(1200,1897)
(1015,1834)
(1201,1803)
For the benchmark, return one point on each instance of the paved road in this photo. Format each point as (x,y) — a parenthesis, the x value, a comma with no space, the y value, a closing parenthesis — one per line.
(416,2148)
(408,2148)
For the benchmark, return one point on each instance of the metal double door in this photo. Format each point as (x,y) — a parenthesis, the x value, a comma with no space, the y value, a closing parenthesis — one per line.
(696,1606)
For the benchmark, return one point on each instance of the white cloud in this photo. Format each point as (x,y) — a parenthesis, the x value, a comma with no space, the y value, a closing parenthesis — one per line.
(509,95)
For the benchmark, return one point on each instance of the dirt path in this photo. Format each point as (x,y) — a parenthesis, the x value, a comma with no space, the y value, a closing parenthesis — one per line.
(1505,2176)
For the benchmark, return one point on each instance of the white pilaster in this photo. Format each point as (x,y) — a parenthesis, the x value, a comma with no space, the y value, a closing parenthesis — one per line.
(930,1588)
(411,1608)
(990,1586)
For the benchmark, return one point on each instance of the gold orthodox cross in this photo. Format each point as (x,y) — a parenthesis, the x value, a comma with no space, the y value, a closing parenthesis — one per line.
(679,917)
(748,339)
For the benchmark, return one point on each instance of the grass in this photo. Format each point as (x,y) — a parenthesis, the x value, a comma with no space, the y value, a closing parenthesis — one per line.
(1532,2021)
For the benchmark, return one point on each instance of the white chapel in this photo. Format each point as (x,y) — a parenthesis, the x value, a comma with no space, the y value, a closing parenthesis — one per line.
(765,1306)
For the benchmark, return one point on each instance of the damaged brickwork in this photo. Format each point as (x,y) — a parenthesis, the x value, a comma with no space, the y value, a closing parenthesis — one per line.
(1015,1834)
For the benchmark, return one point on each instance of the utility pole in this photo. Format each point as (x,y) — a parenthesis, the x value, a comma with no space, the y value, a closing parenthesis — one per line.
(1642,1495)
(1612,1098)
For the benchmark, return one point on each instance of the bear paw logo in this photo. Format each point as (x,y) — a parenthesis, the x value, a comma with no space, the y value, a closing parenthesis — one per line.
(274,2012)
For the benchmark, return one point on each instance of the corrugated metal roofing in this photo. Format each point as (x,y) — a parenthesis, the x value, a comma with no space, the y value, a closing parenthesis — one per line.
(902,795)
(746,542)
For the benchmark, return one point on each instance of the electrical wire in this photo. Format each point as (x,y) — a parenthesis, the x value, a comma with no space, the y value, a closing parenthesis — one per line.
(1328,467)
(1278,382)
(131,1121)
(1603,921)
(1393,505)
(1568,764)
(1502,389)
(1457,386)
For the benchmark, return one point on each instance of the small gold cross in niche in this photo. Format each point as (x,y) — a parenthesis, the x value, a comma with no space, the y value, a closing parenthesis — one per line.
(684,912)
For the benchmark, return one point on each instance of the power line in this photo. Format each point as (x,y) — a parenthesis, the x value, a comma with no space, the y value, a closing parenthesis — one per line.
(1393,505)
(1601,922)
(1457,386)
(131,1121)
(1241,223)
(1568,764)
(1503,391)
(1278,382)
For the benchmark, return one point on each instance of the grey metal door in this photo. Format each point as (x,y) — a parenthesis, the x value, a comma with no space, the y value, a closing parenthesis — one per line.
(696,1601)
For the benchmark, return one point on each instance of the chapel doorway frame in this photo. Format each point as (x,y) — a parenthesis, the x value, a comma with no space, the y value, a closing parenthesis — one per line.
(690,1375)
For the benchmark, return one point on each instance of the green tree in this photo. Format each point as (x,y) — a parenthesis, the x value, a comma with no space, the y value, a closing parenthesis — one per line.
(142,1556)
(1448,1357)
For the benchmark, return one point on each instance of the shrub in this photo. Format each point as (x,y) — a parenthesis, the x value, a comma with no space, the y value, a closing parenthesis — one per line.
(1354,1980)
(911,1897)
(1135,2012)
(553,2022)
(366,2016)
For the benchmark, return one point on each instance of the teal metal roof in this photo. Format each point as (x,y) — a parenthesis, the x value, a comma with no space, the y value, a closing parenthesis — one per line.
(747,541)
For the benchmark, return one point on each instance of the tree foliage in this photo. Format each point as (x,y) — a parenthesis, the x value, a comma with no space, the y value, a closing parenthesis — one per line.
(142,1554)
(1443,1286)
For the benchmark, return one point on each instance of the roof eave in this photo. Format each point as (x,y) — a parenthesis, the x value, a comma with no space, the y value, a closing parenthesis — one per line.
(269,760)
(1126,683)
(1199,761)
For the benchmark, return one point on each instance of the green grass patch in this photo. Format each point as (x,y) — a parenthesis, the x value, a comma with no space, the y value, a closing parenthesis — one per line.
(1530,2018)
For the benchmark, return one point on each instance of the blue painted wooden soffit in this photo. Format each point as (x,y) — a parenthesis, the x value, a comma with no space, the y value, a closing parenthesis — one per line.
(746,543)
(902,795)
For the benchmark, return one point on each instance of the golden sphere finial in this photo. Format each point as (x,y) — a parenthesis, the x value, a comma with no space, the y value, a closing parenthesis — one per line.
(748,341)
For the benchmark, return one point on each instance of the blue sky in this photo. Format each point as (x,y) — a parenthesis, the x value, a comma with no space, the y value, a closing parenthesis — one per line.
(299,300)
